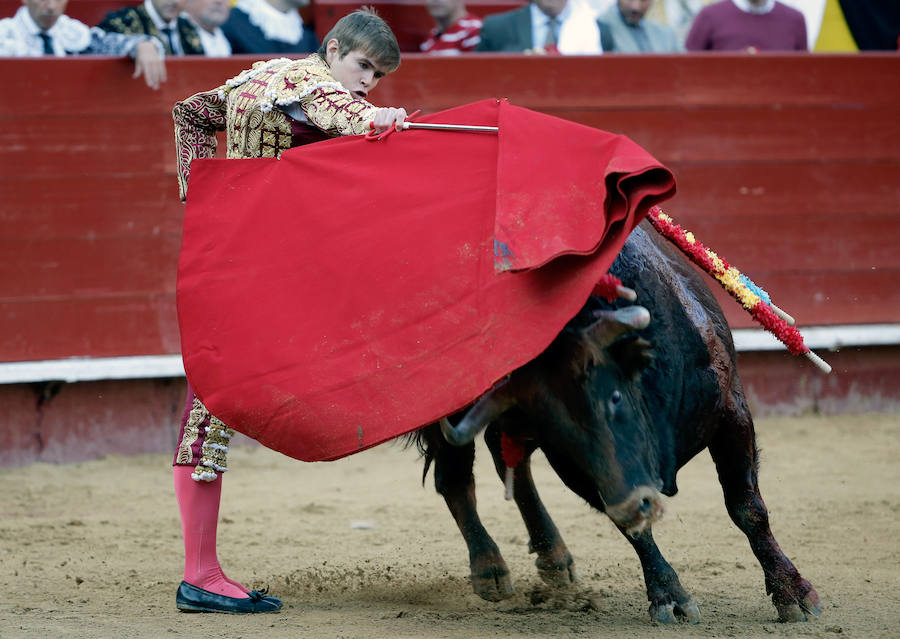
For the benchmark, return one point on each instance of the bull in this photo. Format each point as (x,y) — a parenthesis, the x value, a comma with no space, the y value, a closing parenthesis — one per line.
(618,404)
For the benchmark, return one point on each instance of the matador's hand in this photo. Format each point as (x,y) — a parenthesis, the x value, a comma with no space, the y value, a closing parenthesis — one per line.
(386,116)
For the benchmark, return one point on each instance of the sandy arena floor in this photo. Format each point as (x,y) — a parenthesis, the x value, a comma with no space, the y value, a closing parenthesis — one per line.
(358,548)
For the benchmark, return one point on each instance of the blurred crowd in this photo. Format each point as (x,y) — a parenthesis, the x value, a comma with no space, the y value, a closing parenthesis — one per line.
(154,29)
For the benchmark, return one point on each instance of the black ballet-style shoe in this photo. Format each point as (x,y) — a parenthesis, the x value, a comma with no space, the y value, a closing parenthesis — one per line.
(193,599)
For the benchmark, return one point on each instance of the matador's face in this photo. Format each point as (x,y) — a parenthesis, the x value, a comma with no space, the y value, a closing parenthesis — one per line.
(356,71)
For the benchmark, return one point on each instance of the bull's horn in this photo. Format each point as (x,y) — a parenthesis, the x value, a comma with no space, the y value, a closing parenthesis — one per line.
(626,293)
(612,324)
(488,408)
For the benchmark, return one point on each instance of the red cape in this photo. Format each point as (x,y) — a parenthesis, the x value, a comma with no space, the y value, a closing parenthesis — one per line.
(353,291)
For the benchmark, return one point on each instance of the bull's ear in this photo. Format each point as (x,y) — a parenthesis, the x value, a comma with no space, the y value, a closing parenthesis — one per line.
(632,355)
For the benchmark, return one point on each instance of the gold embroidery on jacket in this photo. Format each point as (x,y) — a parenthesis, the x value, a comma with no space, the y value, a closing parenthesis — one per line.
(191,431)
(246,108)
(214,452)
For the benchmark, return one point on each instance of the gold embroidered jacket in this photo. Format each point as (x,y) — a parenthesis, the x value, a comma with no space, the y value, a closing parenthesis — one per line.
(251,107)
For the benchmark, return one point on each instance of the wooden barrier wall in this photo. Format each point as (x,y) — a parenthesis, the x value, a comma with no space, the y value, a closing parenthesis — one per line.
(789,166)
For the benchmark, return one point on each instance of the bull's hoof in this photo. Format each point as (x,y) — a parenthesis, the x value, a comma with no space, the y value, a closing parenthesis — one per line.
(493,585)
(671,612)
(808,609)
(558,574)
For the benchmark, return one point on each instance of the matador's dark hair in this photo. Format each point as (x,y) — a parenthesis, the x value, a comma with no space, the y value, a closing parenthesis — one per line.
(365,31)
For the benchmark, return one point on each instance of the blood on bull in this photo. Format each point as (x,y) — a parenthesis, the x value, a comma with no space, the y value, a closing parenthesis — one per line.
(623,398)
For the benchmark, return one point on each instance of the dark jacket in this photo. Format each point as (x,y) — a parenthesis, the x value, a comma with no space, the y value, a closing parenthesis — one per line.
(246,37)
(136,20)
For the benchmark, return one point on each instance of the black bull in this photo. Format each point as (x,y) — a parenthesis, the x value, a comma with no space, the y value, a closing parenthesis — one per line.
(618,405)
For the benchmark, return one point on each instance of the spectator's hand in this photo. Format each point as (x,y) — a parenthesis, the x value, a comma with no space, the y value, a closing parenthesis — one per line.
(150,64)
(386,116)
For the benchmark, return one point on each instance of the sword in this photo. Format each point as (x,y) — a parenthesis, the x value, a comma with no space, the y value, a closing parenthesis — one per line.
(448,127)
(371,136)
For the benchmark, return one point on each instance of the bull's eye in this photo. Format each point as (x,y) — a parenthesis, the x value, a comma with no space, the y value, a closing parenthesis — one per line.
(616,397)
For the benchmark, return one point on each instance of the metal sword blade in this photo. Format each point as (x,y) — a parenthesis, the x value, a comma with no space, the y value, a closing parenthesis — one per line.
(449,127)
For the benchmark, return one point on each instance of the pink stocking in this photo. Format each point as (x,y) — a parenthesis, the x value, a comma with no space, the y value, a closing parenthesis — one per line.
(198,502)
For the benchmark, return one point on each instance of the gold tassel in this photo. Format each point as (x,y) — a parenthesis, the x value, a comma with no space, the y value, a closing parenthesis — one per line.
(214,453)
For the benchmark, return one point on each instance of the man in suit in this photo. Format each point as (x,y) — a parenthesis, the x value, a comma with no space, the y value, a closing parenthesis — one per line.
(563,26)
(41,28)
(159,18)
(632,33)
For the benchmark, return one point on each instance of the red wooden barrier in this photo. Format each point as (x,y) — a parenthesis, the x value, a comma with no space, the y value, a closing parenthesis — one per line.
(789,166)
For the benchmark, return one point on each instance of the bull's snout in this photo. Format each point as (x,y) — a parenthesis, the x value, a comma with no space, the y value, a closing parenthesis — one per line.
(640,510)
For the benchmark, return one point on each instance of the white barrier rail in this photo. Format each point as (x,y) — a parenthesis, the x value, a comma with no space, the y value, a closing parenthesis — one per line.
(85,369)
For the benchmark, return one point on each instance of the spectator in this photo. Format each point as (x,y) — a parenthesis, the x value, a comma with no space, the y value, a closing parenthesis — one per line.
(676,14)
(632,33)
(752,25)
(208,16)
(158,18)
(269,26)
(456,30)
(40,27)
(564,26)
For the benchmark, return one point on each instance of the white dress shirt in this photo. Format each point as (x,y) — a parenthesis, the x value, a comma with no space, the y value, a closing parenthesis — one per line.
(19,35)
(578,31)
(275,25)
(215,44)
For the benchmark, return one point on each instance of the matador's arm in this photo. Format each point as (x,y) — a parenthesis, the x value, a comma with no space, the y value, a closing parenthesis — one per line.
(197,119)
(326,104)
(336,112)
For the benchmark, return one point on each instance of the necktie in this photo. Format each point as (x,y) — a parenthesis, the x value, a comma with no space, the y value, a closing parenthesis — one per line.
(167,31)
(552,31)
(48,43)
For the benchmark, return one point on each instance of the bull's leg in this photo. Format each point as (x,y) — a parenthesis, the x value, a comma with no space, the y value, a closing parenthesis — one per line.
(734,452)
(668,600)
(554,563)
(454,481)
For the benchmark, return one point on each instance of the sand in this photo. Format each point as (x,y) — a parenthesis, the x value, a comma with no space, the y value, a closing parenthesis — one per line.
(359,548)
